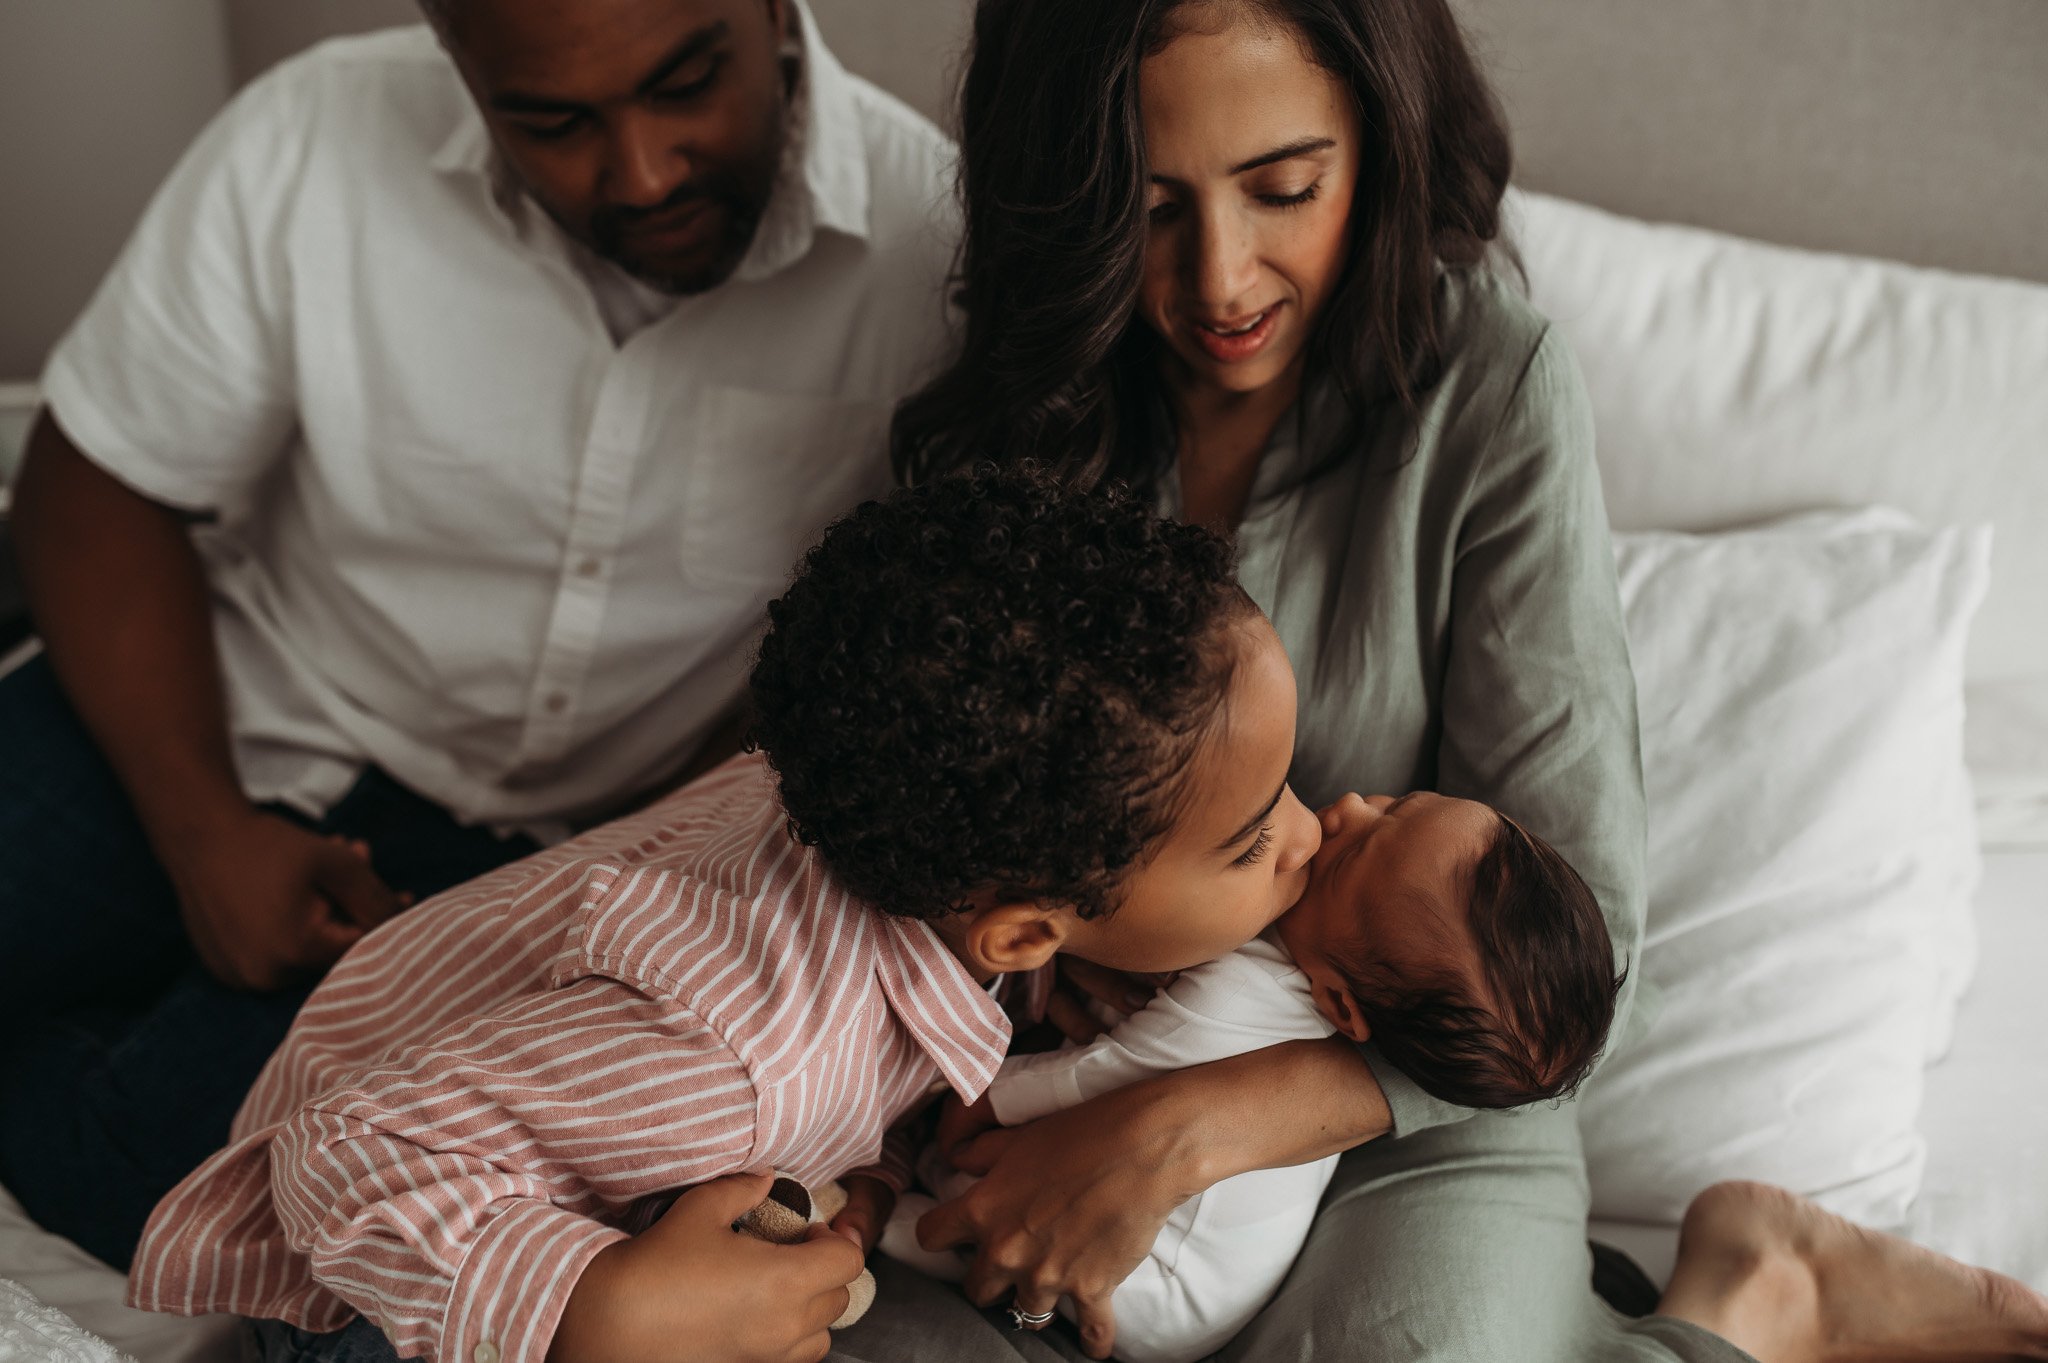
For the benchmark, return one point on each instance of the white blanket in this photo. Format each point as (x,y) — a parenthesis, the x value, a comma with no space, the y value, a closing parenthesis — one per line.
(78,1290)
(31,1332)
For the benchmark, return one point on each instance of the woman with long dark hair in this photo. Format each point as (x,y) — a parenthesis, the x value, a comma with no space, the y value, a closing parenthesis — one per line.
(1239,253)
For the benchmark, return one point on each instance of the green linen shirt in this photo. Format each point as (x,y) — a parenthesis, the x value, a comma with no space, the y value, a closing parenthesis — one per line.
(1447,596)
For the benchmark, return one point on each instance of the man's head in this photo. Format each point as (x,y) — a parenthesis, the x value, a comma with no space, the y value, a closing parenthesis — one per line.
(1043,720)
(1465,946)
(651,130)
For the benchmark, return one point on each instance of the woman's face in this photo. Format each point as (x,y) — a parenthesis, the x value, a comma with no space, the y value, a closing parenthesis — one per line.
(1254,154)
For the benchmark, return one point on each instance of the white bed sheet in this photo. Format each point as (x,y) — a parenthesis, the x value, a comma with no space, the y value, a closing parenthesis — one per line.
(1985,1195)
(1986,1111)
(1985,1198)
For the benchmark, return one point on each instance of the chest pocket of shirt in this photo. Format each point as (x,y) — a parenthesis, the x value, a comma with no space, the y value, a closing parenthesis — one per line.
(616,905)
(767,472)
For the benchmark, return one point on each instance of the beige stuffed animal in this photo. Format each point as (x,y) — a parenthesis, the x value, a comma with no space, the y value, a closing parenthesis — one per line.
(787,1212)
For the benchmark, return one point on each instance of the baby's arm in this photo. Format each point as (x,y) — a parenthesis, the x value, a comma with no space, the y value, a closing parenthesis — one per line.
(453,1195)
(1245,1001)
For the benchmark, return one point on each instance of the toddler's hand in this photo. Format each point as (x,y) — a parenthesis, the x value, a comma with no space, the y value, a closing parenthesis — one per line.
(1080,981)
(691,1289)
(961,1122)
(868,1204)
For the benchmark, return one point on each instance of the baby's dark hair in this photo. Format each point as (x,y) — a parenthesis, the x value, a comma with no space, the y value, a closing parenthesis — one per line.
(990,682)
(1546,958)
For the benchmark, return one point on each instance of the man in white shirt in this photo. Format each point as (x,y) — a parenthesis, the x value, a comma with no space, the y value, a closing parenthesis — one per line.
(410,493)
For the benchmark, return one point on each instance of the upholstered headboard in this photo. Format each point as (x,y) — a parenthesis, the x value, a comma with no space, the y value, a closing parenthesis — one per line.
(1910,129)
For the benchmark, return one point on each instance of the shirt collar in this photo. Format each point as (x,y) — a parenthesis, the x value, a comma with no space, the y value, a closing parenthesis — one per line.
(957,1022)
(822,183)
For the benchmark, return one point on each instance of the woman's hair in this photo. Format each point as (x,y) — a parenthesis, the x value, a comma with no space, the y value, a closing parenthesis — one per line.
(1055,364)
(994,682)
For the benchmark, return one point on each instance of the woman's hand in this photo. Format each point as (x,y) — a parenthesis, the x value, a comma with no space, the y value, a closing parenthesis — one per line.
(1071,1203)
(1068,1205)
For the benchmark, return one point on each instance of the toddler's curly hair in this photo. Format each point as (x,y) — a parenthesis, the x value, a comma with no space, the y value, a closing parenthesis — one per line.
(991,682)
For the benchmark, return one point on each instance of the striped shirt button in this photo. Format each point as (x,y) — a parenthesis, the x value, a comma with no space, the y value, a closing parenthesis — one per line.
(485,1352)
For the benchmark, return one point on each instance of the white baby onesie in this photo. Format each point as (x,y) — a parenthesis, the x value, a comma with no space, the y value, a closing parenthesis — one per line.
(1221,1255)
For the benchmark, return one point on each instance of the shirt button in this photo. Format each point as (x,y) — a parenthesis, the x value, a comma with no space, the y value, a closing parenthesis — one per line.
(486,1352)
(555,704)
(589,567)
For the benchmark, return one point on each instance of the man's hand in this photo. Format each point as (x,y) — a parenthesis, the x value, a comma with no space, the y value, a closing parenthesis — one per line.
(691,1289)
(268,903)
(121,600)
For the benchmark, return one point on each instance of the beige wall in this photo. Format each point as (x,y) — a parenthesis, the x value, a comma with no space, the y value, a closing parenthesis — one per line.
(909,46)
(97,98)
(1916,129)
(262,31)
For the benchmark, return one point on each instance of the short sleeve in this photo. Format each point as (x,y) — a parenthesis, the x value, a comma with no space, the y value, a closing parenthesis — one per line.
(178,378)
(1539,702)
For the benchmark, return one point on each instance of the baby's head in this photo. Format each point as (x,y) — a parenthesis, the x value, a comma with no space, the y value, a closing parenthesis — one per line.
(1042,720)
(1464,945)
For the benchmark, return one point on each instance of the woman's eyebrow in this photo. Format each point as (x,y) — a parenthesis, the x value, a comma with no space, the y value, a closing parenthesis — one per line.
(1301,147)
(1253,822)
(1304,147)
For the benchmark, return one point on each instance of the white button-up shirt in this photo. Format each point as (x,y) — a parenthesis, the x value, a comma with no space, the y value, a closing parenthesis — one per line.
(464,534)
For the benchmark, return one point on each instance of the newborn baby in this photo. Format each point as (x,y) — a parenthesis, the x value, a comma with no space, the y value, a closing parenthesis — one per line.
(1461,945)
(1464,946)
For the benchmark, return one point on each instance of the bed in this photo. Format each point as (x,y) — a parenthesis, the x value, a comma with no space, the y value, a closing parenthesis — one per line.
(1736,385)
(1984,1198)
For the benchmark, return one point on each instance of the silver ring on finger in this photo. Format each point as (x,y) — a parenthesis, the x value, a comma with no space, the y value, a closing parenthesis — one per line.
(1020,1319)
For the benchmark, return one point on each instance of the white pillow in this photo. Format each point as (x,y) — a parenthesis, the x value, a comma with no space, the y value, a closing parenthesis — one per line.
(1812,858)
(1733,382)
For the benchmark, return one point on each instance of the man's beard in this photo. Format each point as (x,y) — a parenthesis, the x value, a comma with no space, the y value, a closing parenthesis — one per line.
(740,218)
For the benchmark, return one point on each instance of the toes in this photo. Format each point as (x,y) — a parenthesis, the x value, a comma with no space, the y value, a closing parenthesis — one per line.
(2019,1308)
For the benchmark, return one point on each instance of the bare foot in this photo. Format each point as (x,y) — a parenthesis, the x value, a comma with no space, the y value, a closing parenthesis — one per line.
(1775,1275)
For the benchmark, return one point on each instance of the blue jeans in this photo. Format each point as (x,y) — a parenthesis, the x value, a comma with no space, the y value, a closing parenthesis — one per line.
(122,1061)
(356,1342)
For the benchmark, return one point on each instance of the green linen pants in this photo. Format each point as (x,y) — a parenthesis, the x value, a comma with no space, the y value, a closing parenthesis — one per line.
(1460,1244)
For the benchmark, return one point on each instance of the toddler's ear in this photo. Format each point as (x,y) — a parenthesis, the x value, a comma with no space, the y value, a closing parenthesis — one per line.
(1337,1005)
(1011,937)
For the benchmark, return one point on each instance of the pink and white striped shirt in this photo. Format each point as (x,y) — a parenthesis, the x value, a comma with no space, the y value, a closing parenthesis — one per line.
(501,1082)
